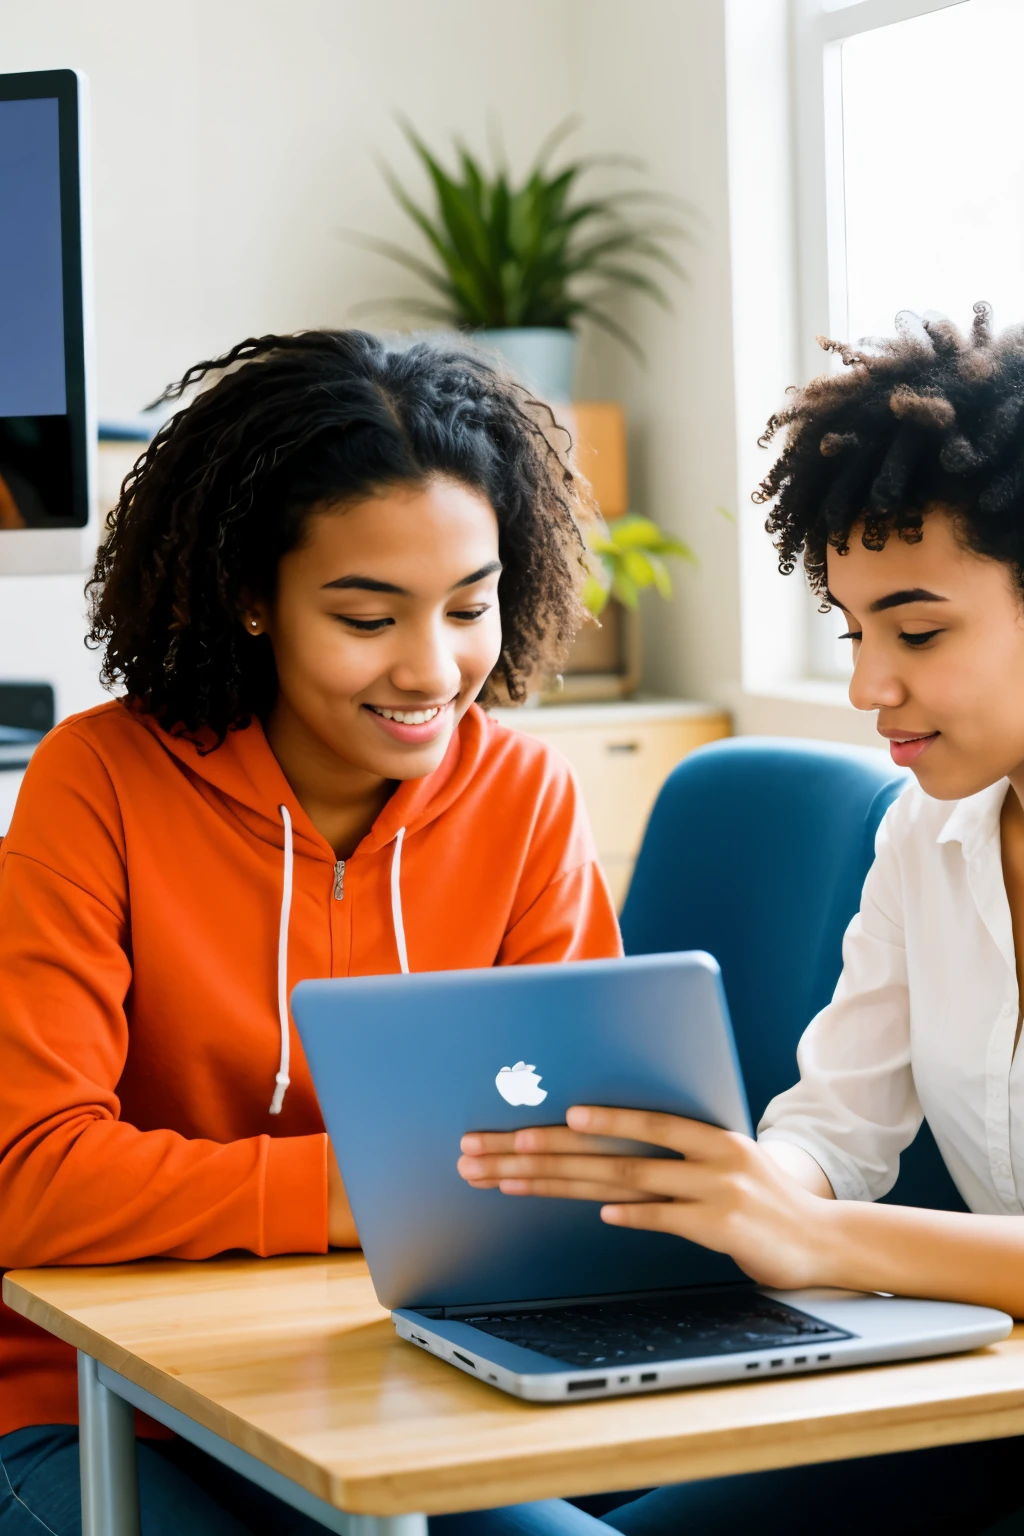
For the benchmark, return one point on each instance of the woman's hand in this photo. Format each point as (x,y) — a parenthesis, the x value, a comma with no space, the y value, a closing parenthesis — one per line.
(341,1228)
(766,1206)
(727,1193)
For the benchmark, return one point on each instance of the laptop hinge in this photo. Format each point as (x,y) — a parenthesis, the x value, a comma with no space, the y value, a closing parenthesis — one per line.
(471,1309)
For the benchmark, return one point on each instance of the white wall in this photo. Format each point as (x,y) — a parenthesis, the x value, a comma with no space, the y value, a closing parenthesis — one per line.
(233,140)
(699,89)
(652,83)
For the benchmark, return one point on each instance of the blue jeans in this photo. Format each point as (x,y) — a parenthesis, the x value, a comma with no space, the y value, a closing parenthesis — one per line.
(952,1491)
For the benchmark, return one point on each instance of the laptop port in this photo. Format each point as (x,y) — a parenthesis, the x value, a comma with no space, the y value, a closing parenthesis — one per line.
(465,1359)
(799,1359)
(753,1365)
(588,1384)
(648,1376)
(775,1363)
(824,1357)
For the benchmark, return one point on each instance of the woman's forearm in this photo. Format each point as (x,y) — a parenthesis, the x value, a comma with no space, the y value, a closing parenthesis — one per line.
(945,1255)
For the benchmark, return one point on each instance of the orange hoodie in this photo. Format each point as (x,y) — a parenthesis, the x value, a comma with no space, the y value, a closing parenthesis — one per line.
(143,908)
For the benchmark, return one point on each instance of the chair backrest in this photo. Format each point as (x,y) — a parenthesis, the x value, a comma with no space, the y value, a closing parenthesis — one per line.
(756,851)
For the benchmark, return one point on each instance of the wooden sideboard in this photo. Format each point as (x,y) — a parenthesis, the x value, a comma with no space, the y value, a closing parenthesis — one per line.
(622,753)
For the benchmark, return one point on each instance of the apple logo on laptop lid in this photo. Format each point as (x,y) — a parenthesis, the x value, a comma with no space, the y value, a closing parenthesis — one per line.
(520,1085)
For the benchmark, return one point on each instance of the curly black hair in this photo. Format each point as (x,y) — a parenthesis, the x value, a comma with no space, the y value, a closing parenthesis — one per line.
(290,424)
(931,417)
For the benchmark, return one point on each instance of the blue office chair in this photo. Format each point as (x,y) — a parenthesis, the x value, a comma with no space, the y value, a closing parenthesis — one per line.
(756,851)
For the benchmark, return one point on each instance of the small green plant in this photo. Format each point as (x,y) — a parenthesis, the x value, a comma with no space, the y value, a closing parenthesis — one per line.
(631,553)
(538,253)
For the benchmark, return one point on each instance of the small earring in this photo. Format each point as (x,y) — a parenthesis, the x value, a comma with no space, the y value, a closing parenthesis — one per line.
(254,623)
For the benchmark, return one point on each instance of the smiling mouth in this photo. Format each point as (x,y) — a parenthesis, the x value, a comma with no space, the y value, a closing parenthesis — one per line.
(906,750)
(407,716)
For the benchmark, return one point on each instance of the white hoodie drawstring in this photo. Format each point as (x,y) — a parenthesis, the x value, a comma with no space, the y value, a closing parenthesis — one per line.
(282,1080)
(397,920)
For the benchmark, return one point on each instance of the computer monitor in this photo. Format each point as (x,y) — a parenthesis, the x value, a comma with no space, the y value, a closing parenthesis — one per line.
(47,411)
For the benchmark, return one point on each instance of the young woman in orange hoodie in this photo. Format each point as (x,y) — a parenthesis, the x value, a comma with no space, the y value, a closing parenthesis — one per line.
(313,575)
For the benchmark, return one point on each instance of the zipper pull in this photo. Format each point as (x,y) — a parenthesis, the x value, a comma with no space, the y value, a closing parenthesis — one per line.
(339,880)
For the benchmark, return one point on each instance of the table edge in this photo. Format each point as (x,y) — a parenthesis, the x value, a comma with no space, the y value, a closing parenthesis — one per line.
(527,1475)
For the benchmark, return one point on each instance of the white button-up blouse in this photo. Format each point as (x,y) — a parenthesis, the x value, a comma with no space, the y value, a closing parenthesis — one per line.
(924,1017)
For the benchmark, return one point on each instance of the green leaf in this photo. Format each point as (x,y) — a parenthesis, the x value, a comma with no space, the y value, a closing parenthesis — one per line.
(632,532)
(670,546)
(404,258)
(662,579)
(625,277)
(653,251)
(635,532)
(594,595)
(606,323)
(421,219)
(535,252)
(461,218)
(625,590)
(638,568)
(557,136)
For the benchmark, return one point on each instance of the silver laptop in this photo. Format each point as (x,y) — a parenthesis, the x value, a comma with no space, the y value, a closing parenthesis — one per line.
(539,1297)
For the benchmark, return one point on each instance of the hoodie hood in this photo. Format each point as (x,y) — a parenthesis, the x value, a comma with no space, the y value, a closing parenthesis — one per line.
(244,772)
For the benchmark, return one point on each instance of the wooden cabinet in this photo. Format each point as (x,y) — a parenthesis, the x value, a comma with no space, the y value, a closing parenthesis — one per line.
(622,754)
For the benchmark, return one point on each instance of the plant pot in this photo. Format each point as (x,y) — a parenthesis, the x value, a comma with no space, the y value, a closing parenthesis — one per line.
(604,662)
(542,357)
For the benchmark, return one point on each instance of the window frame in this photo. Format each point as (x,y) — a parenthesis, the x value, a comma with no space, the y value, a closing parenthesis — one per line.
(818,34)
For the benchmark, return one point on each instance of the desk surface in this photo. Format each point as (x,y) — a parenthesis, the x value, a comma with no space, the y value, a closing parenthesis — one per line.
(294,1361)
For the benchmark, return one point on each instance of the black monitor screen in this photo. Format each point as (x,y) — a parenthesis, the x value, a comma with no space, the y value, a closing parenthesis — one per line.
(42,389)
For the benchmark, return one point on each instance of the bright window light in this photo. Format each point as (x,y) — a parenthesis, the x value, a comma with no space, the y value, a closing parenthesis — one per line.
(934,166)
(827,655)
(933,188)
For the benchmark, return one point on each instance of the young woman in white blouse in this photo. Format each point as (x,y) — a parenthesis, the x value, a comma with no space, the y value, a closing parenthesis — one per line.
(901,486)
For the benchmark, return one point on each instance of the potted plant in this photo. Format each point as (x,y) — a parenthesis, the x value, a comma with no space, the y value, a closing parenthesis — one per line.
(520,265)
(626,555)
(631,553)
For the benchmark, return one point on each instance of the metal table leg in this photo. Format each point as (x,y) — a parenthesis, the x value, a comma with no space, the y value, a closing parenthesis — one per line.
(110,1494)
(110,1481)
(387,1525)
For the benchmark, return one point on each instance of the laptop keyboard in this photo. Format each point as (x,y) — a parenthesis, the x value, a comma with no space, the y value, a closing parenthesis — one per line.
(683,1326)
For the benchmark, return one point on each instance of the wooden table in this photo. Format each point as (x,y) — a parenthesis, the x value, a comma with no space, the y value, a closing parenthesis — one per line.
(289,1371)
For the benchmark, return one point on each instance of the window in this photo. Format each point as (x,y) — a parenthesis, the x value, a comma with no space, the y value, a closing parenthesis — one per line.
(934,181)
(911,161)
(910,168)
(828,656)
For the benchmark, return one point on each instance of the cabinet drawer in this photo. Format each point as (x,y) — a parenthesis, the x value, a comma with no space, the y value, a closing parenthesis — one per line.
(622,767)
